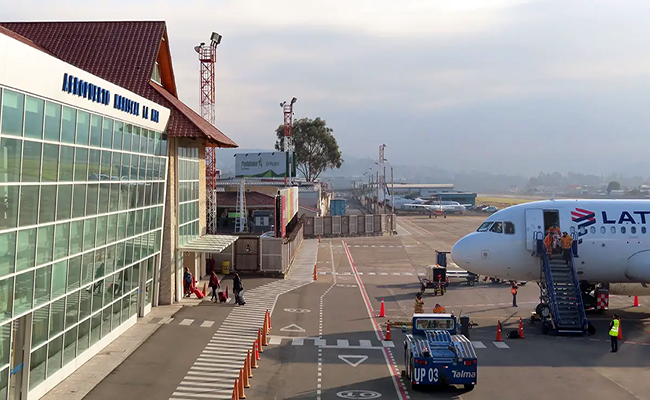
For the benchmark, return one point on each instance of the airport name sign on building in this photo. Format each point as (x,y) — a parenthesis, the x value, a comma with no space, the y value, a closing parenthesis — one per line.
(263,165)
(97,94)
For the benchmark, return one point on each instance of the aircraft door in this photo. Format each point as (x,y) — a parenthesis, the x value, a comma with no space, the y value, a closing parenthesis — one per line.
(534,224)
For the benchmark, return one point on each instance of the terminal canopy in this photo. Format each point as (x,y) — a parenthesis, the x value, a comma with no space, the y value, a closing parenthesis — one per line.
(209,243)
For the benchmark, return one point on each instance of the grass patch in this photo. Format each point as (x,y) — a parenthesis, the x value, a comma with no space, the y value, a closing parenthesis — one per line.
(501,201)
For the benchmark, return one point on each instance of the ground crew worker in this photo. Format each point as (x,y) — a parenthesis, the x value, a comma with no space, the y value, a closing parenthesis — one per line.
(513,290)
(567,242)
(438,309)
(419,304)
(613,332)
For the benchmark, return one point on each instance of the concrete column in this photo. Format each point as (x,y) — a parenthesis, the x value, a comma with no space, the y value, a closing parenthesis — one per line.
(170,228)
(202,203)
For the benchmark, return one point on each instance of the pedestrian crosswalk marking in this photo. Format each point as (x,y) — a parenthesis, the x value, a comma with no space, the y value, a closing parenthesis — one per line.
(186,322)
(501,345)
(478,345)
(224,355)
(352,344)
(207,324)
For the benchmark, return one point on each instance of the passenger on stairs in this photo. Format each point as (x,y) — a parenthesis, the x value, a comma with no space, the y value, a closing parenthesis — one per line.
(557,240)
(567,242)
(548,243)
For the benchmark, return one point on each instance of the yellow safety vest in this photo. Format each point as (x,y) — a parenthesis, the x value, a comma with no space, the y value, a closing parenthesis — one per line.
(614,330)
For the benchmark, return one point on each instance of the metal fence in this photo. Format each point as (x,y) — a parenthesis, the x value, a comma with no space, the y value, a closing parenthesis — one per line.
(349,225)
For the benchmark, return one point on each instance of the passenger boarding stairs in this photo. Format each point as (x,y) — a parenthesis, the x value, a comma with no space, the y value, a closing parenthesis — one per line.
(561,292)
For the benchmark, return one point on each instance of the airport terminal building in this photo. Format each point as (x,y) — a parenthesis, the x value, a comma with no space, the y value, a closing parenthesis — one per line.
(102,173)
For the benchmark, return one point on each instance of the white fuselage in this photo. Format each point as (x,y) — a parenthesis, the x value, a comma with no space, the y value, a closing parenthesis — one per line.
(613,241)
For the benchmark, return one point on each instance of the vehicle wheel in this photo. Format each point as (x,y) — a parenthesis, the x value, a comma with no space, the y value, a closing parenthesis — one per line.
(471,282)
(591,328)
(468,387)
(543,310)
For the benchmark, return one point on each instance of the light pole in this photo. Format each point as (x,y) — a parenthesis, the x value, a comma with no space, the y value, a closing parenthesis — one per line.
(287,109)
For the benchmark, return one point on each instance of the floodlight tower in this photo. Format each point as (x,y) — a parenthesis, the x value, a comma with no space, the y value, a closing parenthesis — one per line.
(207,57)
(287,109)
(382,167)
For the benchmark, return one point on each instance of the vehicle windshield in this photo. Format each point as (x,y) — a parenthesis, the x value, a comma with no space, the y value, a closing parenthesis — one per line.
(431,323)
(484,226)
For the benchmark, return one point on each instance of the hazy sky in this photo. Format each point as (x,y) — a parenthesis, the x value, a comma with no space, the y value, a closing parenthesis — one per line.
(503,85)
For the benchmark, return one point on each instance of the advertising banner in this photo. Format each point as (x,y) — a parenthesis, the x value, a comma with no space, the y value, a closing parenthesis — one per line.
(263,165)
(286,208)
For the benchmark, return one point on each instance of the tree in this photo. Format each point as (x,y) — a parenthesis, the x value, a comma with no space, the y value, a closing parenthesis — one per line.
(613,185)
(314,146)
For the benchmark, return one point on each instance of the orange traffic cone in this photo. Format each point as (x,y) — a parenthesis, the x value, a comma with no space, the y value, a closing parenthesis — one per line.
(620,329)
(499,338)
(259,341)
(241,384)
(269,314)
(382,310)
(318,238)
(265,339)
(388,335)
(249,362)
(205,288)
(315,278)
(256,346)
(636,301)
(235,390)
(244,370)
(254,356)
(521,328)
(266,323)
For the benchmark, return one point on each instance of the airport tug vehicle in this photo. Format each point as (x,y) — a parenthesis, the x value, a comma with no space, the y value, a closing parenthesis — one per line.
(435,354)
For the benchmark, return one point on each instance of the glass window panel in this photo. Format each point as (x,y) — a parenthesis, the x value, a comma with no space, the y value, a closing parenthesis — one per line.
(96,130)
(54,356)
(151,148)
(87,264)
(84,336)
(46,212)
(26,249)
(10,150)
(83,127)
(66,163)
(72,309)
(136,139)
(128,252)
(125,167)
(8,207)
(45,247)
(117,313)
(131,224)
(31,171)
(106,321)
(110,259)
(76,237)
(37,367)
(133,195)
(102,225)
(112,228)
(95,328)
(24,292)
(70,345)
(114,197)
(117,166)
(150,161)
(5,344)
(128,129)
(85,308)
(145,220)
(7,252)
(125,308)
(94,165)
(50,162)
(144,141)
(59,275)
(6,298)
(124,196)
(52,122)
(163,145)
(80,166)
(74,273)
(140,192)
(40,325)
(118,132)
(79,201)
(57,317)
(13,106)
(42,285)
(106,172)
(68,125)
(134,167)
(34,109)
(89,233)
(61,240)
(104,194)
(91,199)
(107,133)
(121,226)
(28,205)
(64,202)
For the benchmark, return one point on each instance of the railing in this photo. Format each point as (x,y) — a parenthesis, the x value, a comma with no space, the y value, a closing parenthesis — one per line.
(548,281)
(576,284)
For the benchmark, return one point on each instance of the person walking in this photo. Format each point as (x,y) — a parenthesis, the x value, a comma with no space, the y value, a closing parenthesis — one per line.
(513,290)
(215,285)
(419,304)
(187,282)
(613,332)
(237,289)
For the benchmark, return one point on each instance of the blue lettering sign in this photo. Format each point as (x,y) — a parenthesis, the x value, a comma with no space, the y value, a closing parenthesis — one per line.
(642,214)
(145,112)
(607,221)
(626,217)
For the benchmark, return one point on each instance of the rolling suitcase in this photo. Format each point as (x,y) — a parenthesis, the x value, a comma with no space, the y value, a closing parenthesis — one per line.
(239,299)
(222,297)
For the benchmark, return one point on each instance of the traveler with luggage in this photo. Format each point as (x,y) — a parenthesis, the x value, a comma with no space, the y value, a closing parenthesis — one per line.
(215,285)
(238,288)
(187,282)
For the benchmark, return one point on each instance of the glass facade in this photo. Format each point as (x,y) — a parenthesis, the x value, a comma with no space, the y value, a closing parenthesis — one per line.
(81,216)
(188,194)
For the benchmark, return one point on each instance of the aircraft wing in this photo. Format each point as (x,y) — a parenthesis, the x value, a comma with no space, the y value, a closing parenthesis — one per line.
(427,206)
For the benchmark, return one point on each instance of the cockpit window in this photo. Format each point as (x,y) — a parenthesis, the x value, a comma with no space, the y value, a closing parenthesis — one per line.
(497,227)
(484,226)
(509,228)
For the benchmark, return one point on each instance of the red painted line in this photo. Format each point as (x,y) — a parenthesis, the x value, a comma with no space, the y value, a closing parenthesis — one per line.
(401,392)
(630,342)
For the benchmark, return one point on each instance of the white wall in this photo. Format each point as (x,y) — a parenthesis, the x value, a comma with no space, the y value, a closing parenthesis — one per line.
(27,69)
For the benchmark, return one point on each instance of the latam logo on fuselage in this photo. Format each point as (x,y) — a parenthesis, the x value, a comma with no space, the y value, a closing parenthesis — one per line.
(585,218)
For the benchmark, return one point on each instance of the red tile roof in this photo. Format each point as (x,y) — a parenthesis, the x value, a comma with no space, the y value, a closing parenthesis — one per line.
(122,52)
(253,199)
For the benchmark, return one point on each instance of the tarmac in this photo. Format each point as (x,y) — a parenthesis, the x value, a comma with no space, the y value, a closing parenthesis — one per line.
(327,341)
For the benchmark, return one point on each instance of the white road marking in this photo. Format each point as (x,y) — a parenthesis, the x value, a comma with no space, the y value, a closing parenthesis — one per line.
(478,345)
(207,324)
(501,345)
(186,321)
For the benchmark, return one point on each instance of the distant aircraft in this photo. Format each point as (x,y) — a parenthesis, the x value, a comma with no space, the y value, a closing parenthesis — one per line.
(439,207)
(613,243)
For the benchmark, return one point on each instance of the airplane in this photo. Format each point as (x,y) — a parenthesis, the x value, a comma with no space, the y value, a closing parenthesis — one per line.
(439,208)
(613,243)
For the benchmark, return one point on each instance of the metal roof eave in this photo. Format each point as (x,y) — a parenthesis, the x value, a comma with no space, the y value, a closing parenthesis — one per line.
(209,243)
